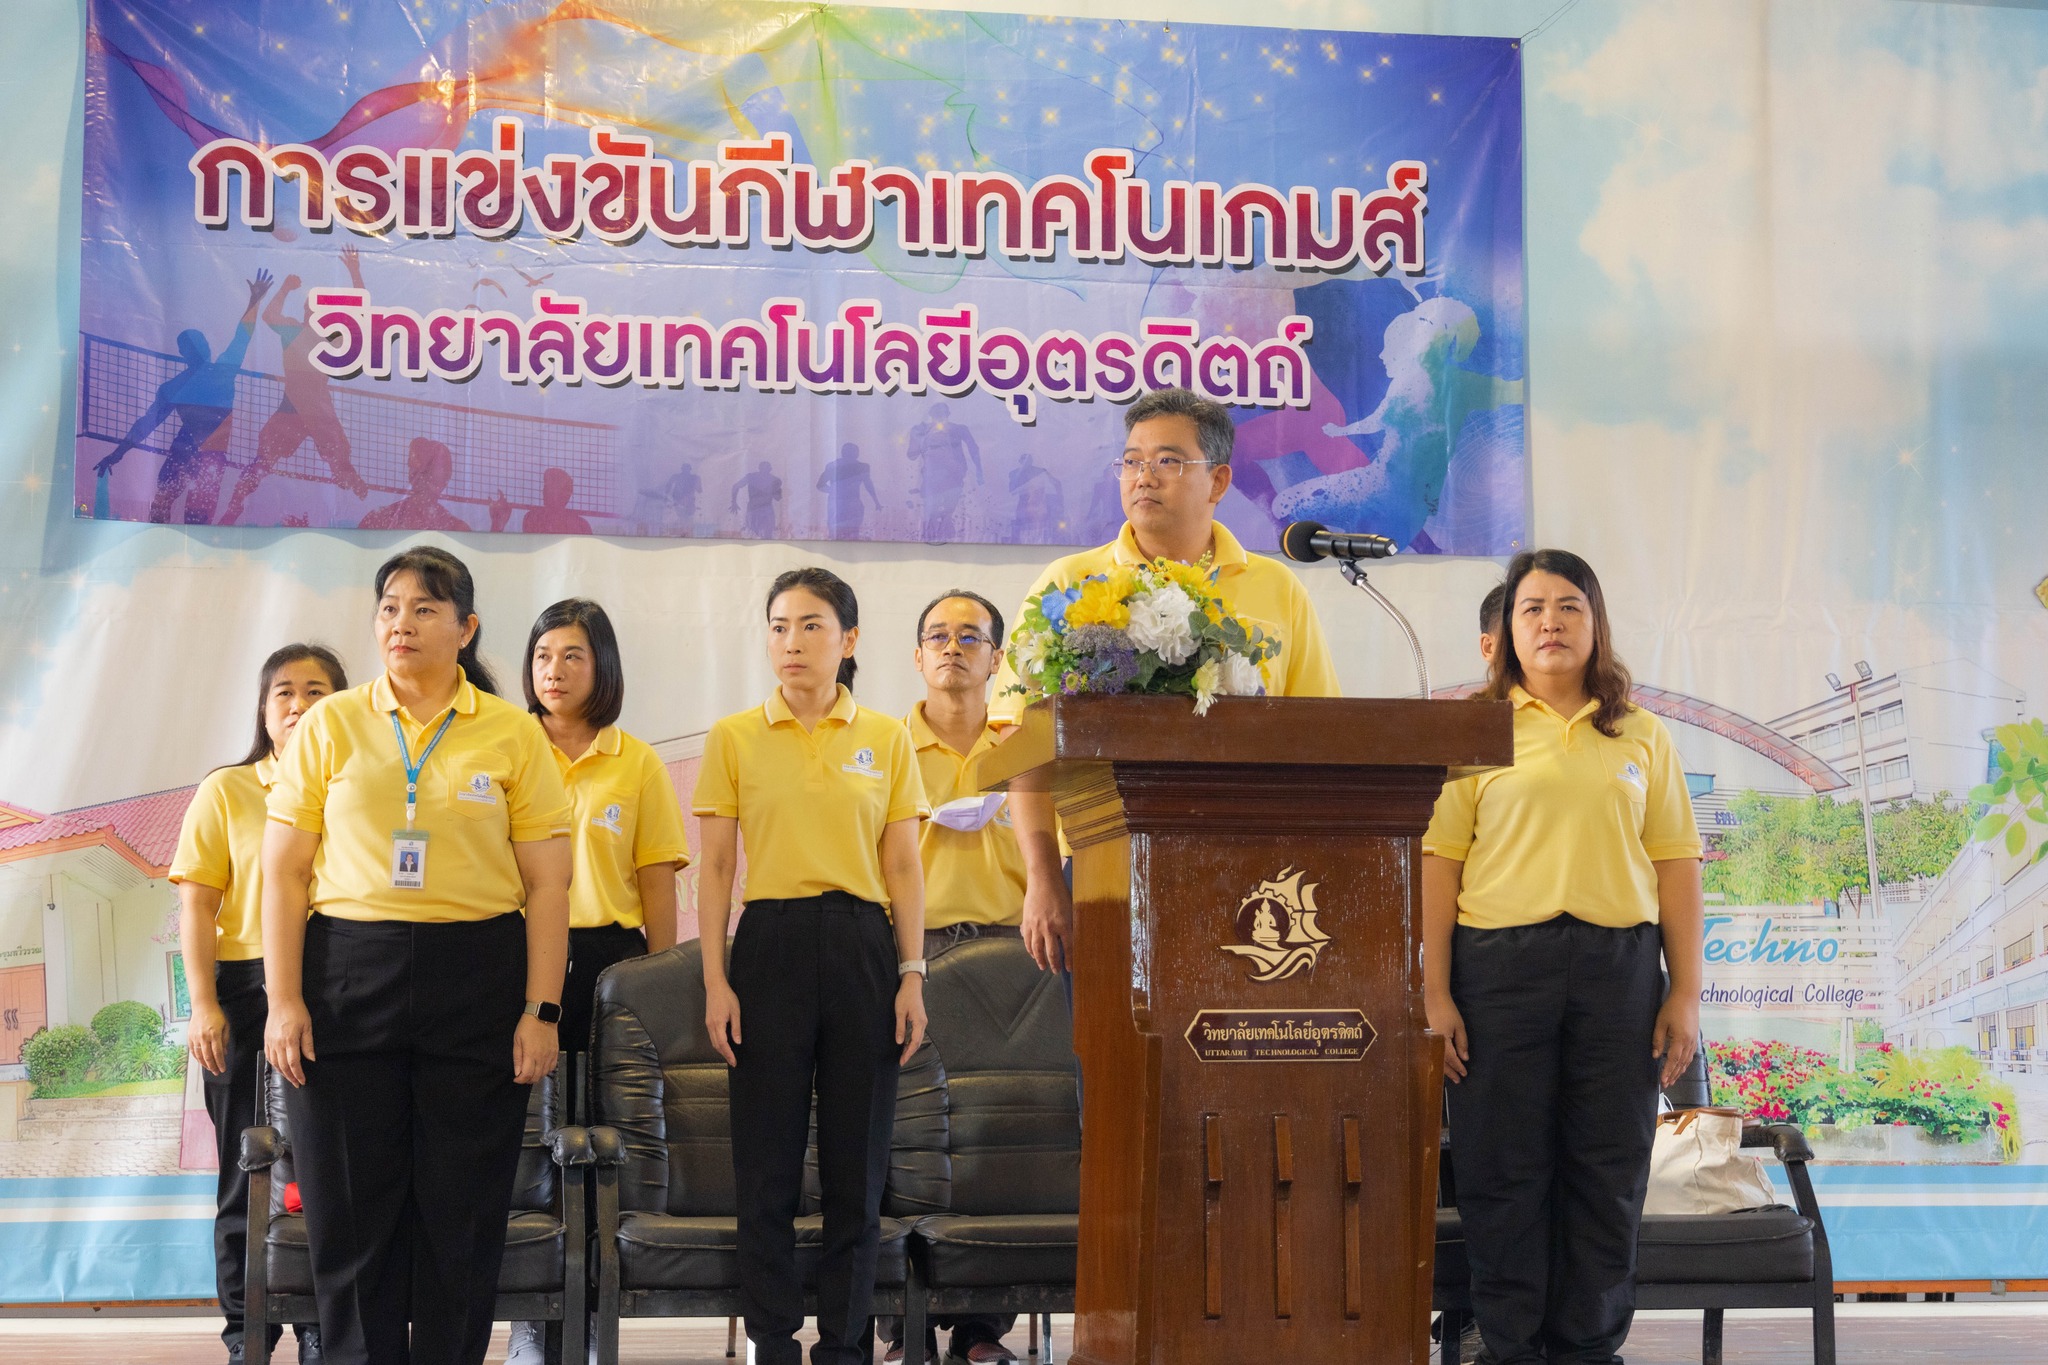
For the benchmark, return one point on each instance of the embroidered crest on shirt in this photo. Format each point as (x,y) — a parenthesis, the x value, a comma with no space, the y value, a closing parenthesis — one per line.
(608,819)
(479,789)
(863,764)
(1633,775)
(1277,929)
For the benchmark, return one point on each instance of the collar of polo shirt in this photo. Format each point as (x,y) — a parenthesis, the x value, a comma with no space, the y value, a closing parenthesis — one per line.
(777,710)
(607,745)
(383,699)
(266,771)
(922,736)
(1521,698)
(1230,552)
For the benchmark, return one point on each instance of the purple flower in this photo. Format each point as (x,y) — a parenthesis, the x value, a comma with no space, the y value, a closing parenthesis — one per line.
(1107,656)
(1074,681)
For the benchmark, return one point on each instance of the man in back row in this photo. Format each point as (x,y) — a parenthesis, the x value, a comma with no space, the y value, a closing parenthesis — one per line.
(973,871)
(1174,470)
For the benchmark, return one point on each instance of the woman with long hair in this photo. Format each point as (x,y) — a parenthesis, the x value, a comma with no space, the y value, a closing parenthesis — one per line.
(422,822)
(219,875)
(1550,889)
(824,995)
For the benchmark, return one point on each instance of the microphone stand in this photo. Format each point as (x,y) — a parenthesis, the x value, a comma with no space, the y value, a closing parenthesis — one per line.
(1355,576)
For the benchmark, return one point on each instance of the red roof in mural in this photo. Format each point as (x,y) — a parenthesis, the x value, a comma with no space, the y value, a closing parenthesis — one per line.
(144,828)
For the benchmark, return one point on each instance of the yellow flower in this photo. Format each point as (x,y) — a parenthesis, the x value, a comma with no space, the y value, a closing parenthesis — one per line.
(1099,605)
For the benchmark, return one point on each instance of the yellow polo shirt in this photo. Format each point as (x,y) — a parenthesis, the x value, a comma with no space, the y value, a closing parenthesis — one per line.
(489,783)
(811,804)
(623,816)
(1573,827)
(972,877)
(220,844)
(1259,589)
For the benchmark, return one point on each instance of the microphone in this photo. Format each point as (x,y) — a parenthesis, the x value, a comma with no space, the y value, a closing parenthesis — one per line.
(1308,541)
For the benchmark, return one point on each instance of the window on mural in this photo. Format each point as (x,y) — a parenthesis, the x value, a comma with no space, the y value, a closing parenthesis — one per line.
(2021,950)
(1984,969)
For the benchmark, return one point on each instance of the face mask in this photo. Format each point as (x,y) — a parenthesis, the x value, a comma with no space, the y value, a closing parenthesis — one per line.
(969,813)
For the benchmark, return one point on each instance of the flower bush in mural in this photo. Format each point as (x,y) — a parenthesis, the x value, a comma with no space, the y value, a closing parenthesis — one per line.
(125,1044)
(1946,1092)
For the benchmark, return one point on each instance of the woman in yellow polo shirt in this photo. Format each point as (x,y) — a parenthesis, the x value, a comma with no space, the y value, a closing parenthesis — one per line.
(1548,890)
(625,826)
(422,821)
(218,873)
(823,993)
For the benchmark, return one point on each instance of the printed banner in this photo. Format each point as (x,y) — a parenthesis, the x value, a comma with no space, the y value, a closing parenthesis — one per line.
(790,272)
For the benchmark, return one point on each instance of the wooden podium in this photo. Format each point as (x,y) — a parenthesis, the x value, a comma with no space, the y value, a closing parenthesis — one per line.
(1260,1098)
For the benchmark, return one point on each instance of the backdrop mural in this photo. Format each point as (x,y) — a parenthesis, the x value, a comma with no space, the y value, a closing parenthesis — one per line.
(789,271)
(1783,344)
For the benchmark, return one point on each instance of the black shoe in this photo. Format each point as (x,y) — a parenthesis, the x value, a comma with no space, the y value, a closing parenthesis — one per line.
(235,1355)
(309,1343)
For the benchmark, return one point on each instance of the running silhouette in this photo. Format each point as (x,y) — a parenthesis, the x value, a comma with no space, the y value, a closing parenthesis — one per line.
(942,451)
(429,466)
(763,490)
(553,516)
(203,397)
(678,494)
(842,483)
(307,410)
(1040,513)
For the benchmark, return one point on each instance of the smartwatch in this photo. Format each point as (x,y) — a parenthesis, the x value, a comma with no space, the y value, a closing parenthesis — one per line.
(546,1011)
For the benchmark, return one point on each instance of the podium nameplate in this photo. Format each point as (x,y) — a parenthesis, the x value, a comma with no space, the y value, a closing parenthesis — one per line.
(1280,1035)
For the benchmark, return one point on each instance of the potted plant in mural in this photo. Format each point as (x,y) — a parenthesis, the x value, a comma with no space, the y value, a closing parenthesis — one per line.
(1935,1106)
(2017,798)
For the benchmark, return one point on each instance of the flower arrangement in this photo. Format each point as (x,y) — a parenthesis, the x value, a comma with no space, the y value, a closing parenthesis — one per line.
(1158,629)
(1946,1092)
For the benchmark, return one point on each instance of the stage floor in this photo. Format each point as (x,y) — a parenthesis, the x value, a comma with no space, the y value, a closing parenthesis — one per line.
(1867,1334)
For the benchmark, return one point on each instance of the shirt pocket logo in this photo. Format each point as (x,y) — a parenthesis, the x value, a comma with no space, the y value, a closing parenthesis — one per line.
(609,818)
(476,795)
(1633,776)
(863,764)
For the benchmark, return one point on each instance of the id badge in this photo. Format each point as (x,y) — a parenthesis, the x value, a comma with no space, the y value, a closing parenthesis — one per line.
(409,859)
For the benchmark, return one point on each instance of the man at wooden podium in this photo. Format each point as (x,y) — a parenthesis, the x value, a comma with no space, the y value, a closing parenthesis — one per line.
(1174,470)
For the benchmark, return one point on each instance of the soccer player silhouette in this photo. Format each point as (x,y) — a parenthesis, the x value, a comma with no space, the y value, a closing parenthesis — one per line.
(942,450)
(763,490)
(842,483)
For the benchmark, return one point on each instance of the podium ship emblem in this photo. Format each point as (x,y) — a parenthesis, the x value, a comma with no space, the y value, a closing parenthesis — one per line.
(1276,928)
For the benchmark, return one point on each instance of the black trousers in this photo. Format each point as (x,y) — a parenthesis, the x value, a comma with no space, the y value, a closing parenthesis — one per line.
(590,952)
(407,1132)
(231,1104)
(1551,1131)
(816,981)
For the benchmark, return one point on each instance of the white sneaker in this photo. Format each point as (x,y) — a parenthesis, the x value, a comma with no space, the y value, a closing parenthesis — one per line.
(528,1345)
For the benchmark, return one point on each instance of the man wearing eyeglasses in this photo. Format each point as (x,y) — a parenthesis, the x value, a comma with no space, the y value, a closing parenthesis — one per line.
(1174,470)
(973,869)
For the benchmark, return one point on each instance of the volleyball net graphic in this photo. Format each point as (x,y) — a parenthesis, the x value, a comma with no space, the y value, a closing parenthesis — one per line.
(494,451)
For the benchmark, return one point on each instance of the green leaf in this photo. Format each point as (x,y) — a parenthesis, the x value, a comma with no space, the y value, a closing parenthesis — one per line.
(2000,787)
(1983,795)
(1989,826)
(2015,837)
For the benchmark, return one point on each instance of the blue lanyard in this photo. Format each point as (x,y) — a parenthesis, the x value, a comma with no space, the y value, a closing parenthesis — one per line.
(412,769)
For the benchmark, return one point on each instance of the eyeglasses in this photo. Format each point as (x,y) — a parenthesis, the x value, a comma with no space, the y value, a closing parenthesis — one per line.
(1169,466)
(968,640)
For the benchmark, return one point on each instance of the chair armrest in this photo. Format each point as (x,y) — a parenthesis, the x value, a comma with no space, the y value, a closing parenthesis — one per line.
(607,1148)
(570,1146)
(262,1148)
(1787,1139)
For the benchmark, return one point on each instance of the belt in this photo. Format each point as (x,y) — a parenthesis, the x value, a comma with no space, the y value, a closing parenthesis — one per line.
(841,902)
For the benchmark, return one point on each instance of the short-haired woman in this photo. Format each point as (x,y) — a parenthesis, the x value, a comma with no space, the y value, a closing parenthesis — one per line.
(1550,889)
(422,821)
(218,871)
(825,992)
(625,825)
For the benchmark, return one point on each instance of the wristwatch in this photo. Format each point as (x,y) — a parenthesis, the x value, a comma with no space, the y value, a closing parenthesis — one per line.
(914,964)
(547,1011)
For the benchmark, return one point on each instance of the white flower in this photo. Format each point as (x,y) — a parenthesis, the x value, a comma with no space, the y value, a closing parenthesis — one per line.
(1207,678)
(1159,622)
(1241,677)
(1027,654)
